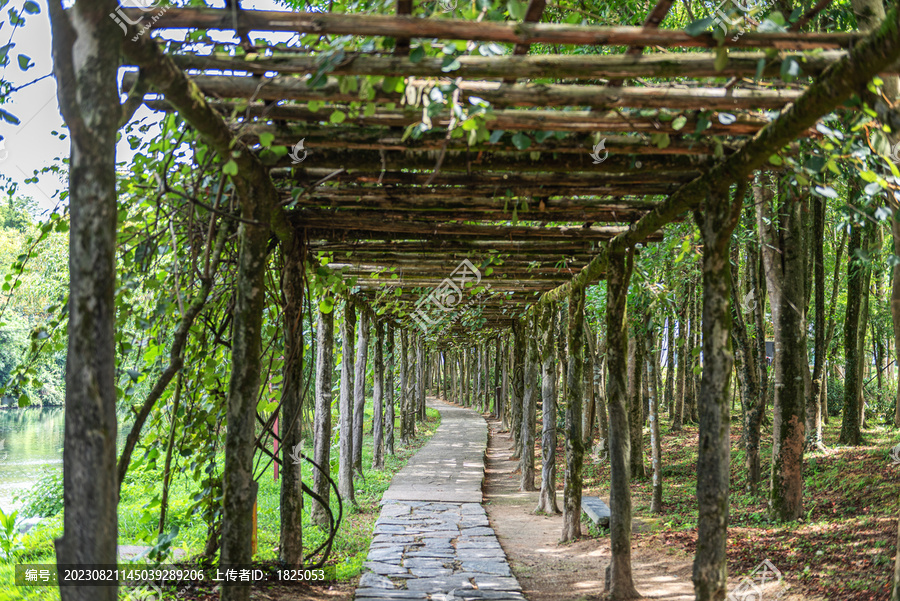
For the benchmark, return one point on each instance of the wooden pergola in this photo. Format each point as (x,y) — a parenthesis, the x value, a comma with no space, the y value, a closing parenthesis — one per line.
(621,143)
(400,210)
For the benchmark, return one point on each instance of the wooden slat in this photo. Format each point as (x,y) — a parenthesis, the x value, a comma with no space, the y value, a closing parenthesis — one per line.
(488,31)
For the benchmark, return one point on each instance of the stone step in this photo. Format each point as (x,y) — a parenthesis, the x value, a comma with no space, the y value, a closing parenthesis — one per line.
(596,509)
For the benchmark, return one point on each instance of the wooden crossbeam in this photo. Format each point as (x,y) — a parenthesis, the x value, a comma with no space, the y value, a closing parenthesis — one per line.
(472,162)
(484,181)
(374,138)
(488,31)
(553,66)
(579,215)
(417,197)
(501,95)
(363,227)
(653,20)
(742,124)
(458,248)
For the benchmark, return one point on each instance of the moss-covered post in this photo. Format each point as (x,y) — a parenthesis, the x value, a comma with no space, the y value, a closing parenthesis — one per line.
(322,413)
(345,405)
(378,399)
(716,218)
(574,445)
(390,402)
(547,328)
(518,387)
(529,404)
(620,579)
(359,387)
(290,547)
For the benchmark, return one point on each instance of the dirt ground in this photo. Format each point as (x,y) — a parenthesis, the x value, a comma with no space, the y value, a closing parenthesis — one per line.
(548,571)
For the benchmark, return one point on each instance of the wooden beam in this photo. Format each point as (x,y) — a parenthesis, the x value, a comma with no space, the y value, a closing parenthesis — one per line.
(379,138)
(552,66)
(489,31)
(471,163)
(654,18)
(505,119)
(578,215)
(877,50)
(501,95)
(415,197)
(325,221)
(484,182)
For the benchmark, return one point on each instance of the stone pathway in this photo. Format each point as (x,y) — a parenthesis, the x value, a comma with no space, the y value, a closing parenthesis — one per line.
(432,540)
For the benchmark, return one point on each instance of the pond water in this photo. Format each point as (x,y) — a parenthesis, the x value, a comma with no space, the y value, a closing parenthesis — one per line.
(31,441)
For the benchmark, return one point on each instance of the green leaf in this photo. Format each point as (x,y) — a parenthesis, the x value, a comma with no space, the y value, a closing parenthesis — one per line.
(679,122)
(495,136)
(31,8)
(790,69)
(516,9)
(230,168)
(776,160)
(338,117)
(8,117)
(699,26)
(451,63)
(760,68)
(416,54)
(314,105)
(266,138)
(521,141)
(721,58)
(25,62)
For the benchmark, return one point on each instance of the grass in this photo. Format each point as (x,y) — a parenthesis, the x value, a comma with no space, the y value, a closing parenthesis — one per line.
(138,515)
(843,546)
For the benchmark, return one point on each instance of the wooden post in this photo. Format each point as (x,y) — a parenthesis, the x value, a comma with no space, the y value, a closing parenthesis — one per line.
(345,457)
(621,581)
(529,404)
(717,219)
(322,414)
(574,399)
(275,448)
(547,329)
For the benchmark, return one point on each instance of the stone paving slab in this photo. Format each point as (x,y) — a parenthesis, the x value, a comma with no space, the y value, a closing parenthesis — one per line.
(433,541)
(596,509)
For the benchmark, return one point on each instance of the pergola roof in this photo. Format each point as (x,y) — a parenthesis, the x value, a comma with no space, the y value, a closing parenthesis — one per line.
(399,212)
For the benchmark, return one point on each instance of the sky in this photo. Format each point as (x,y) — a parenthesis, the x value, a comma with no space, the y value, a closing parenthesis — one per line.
(31,145)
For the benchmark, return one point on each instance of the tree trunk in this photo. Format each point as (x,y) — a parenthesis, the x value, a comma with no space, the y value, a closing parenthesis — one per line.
(547,328)
(389,396)
(655,443)
(694,374)
(635,404)
(783,254)
(681,372)
(322,416)
(670,365)
(359,389)
(850,426)
(620,579)
(420,378)
(716,219)
(378,399)
(574,447)
(498,359)
(89,101)
(518,387)
(345,450)
(813,403)
(290,546)
(529,404)
(748,374)
(404,387)
(504,392)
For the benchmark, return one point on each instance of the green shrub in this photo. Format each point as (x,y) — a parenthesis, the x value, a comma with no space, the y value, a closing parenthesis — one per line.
(835,396)
(45,498)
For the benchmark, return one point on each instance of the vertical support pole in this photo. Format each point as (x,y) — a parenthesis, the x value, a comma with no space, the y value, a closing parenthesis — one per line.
(518,387)
(322,414)
(345,405)
(620,579)
(547,328)
(574,400)
(529,404)
(359,388)
(378,399)
(717,220)
(389,396)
